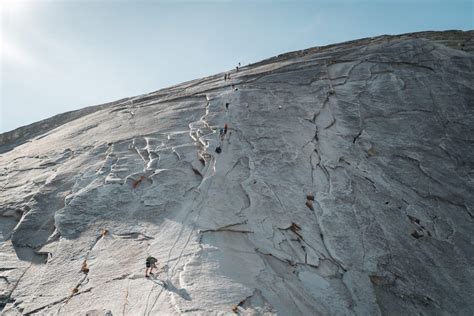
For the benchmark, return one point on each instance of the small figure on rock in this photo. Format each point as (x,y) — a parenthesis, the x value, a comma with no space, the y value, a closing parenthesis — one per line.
(218,149)
(150,265)
(227,106)
(225,128)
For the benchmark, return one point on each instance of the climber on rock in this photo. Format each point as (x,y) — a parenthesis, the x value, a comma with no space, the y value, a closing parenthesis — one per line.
(225,128)
(227,106)
(221,134)
(150,265)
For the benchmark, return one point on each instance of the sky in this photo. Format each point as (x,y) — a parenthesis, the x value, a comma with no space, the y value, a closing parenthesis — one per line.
(62,55)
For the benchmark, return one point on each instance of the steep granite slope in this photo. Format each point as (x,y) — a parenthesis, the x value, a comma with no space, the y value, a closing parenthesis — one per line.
(344,186)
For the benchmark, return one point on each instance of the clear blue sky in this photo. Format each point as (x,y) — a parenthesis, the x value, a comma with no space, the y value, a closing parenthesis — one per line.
(63,55)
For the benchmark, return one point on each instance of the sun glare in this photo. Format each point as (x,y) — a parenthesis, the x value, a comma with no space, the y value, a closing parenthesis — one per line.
(13,54)
(12,11)
(12,5)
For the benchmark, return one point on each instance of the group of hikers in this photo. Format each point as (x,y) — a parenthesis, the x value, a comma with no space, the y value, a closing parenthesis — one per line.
(227,75)
(222,134)
(151,262)
(223,131)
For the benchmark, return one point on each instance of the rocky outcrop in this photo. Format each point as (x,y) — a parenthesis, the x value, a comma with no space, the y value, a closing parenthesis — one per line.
(342,185)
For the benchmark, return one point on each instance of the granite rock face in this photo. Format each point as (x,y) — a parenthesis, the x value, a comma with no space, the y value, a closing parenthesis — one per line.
(344,186)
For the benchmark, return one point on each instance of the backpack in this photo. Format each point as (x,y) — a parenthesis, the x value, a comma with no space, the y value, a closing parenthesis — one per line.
(151,260)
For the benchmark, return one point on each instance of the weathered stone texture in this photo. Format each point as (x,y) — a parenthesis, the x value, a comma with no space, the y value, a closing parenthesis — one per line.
(344,187)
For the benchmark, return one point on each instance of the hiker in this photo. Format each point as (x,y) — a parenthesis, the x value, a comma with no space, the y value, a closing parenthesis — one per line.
(150,264)
(236,68)
(225,128)
(227,106)
(225,77)
(239,63)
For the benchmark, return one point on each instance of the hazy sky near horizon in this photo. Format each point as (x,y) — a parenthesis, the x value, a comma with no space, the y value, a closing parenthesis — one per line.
(61,55)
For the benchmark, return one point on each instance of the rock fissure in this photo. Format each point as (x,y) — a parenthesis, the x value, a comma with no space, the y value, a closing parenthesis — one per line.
(382,124)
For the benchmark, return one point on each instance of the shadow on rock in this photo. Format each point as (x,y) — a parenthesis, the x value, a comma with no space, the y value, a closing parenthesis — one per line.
(168,285)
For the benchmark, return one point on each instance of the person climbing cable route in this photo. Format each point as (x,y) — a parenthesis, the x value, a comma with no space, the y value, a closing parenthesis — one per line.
(150,264)
(227,106)
(225,128)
